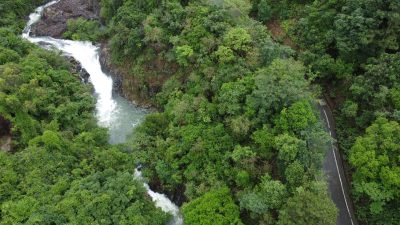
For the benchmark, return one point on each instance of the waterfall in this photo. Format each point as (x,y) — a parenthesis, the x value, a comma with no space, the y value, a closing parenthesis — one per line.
(162,201)
(112,112)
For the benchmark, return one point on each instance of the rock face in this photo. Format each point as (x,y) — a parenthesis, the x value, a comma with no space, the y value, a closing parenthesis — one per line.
(55,17)
(76,68)
(111,69)
(124,83)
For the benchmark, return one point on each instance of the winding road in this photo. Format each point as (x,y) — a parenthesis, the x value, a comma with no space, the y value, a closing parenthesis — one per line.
(338,186)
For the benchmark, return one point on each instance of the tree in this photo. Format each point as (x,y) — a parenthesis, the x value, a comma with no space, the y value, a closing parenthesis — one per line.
(183,54)
(294,174)
(286,85)
(232,96)
(224,54)
(269,194)
(19,211)
(376,180)
(237,39)
(362,32)
(82,29)
(373,90)
(62,169)
(8,55)
(297,118)
(264,140)
(213,208)
(289,147)
(264,10)
(240,127)
(109,8)
(236,8)
(306,207)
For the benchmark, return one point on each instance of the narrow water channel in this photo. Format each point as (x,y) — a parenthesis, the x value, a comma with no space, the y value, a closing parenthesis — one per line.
(112,111)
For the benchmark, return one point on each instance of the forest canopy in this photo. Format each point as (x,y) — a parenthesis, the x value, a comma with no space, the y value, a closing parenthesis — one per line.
(219,134)
(237,118)
(236,135)
(352,50)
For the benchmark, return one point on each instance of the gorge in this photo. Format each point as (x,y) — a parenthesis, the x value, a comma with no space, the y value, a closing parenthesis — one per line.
(112,111)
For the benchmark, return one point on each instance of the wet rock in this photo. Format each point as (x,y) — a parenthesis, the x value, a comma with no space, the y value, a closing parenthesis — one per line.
(108,67)
(124,84)
(55,17)
(84,75)
(76,68)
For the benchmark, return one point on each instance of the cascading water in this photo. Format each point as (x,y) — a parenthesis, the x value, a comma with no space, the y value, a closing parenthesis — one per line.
(113,112)
(162,202)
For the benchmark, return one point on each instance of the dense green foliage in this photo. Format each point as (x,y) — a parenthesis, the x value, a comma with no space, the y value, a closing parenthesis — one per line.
(237,123)
(82,29)
(266,10)
(376,180)
(14,12)
(352,48)
(62,170)
(314,203)
(237,138)
(213,208)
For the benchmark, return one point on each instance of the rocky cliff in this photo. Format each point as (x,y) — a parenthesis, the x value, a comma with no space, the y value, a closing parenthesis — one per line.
(125,84)
(55,17)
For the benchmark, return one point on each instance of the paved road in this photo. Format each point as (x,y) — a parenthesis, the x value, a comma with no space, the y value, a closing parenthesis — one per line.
(333,168)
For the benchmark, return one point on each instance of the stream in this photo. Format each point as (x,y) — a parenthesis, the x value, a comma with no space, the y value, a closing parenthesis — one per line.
(112,111)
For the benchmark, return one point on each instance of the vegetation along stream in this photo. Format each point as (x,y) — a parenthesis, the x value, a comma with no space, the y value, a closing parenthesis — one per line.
(112,111)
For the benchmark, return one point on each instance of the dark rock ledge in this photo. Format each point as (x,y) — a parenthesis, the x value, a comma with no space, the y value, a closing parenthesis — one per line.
(54,18)
(76,68)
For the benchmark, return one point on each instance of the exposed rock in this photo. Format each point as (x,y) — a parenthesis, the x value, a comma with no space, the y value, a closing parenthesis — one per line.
(128,85)
(76,68)
(54,18)
(124,83)
(84,75)
(111,69)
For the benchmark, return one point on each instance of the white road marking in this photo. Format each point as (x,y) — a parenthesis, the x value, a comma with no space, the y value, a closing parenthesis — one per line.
(327,120)
(337,167)
(341,185)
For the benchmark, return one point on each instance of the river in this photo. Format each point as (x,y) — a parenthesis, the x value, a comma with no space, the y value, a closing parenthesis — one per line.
(112,111)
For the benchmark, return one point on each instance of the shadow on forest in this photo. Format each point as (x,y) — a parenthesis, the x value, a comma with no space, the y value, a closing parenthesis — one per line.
(5,134)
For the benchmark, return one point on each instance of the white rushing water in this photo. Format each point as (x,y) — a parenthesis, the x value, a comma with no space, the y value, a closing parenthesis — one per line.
(162,201)
(113,112)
